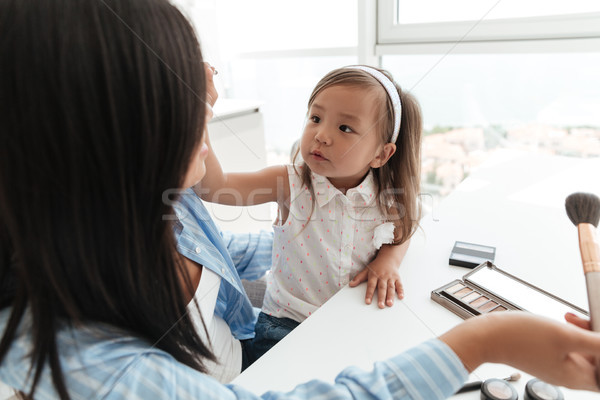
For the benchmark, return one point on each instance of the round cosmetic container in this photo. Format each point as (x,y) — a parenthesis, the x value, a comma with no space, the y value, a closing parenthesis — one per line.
(498,389)
(539,390)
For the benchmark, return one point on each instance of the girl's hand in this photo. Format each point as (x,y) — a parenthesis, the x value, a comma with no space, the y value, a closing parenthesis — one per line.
(382,274)
(211,91)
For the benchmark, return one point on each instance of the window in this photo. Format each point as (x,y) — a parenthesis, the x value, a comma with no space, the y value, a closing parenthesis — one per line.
(493,76)
(490,75)
(430,11)
(426,21)
(274,25)
(474,105)
(275,52)
(283,85)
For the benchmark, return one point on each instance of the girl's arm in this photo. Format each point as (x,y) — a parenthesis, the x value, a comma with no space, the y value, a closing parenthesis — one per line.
(382,273)
(237,189)
(241,188)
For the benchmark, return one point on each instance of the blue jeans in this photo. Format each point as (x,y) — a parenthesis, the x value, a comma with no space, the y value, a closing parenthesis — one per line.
(267,332)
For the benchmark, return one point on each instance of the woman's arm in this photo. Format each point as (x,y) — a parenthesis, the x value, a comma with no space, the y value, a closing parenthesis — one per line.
(556,353)
(250,252)
(156,376)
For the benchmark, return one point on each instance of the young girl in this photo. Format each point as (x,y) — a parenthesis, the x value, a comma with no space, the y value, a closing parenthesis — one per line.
(354,190)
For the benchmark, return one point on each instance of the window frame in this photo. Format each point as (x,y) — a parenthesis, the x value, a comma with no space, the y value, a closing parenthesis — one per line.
(567,32)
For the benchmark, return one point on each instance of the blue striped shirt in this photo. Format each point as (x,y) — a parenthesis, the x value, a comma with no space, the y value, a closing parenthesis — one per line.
(103,362)
(231,256)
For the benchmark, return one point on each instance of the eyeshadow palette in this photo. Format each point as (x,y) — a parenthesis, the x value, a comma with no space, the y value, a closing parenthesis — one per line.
(489,289)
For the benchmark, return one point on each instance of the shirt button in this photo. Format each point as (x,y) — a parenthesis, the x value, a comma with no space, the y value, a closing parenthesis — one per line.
(223,271)
(198,250)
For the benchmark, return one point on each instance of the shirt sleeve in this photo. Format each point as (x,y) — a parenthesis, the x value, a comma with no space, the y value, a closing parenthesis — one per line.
(429,371)
(250,252)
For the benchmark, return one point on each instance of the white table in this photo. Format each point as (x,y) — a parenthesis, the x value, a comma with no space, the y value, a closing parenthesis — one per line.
(513,202)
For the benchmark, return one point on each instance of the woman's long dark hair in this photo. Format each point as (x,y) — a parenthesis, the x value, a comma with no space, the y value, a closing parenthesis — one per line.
(101,110)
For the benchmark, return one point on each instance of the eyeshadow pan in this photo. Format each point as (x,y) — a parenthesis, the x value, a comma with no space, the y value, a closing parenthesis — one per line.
(463,292)
(455,288)
(471,297)
(499,308)
(479,301)
(487,306)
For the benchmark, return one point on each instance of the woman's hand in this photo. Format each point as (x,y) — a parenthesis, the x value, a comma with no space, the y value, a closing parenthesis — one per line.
(556,353)
(578,321)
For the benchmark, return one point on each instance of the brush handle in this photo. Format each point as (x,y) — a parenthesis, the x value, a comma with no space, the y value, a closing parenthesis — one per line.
(592,280)
(590,257)
(589,248)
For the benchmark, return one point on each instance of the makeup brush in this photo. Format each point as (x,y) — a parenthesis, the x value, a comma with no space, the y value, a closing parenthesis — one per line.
(467,387)
(583,210)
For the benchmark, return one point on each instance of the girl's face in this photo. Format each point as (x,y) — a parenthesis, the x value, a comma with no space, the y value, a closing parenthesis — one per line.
(340,139)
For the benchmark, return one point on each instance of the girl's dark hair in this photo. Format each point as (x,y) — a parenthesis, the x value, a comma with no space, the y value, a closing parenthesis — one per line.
(398,181)
(101,109)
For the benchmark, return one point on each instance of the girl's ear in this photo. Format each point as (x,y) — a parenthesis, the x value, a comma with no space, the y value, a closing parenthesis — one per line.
(384,155)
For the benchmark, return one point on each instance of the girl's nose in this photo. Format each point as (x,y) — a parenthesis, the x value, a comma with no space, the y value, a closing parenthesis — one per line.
(323,137)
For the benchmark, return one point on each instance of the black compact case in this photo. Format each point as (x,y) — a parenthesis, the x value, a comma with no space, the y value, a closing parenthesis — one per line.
(470,255)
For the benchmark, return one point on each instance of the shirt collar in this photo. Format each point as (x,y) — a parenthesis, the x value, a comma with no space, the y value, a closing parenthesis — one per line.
(361,195)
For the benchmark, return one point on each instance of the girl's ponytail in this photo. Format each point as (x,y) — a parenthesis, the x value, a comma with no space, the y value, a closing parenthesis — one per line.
(399,179)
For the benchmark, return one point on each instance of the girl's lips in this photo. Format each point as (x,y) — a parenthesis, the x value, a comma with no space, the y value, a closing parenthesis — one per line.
(318,156)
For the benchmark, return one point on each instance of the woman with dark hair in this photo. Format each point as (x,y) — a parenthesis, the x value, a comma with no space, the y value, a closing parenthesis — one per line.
(100,112)
(102,116)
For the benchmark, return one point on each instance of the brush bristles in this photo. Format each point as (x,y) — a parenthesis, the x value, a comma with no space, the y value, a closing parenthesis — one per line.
(583,208)
(515,376)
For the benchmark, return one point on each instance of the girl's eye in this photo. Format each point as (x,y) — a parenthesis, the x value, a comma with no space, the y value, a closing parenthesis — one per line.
(315,119)
(346,128)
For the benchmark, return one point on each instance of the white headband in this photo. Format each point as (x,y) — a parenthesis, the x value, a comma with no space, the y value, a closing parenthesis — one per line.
(392,92)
